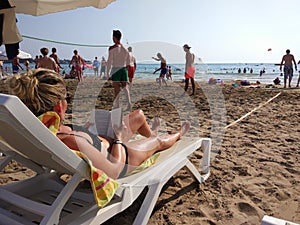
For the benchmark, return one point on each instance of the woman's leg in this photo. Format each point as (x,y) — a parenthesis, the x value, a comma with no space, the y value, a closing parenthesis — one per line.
(136,123)
(140,150)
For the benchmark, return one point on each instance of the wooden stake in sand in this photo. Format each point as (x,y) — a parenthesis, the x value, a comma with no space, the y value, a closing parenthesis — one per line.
(253,110)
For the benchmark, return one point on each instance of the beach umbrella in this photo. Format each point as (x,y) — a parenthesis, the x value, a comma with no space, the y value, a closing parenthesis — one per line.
(21,55)
(42,7)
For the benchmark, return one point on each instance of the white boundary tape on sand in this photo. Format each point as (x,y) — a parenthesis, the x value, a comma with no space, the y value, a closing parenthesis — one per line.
(253,110)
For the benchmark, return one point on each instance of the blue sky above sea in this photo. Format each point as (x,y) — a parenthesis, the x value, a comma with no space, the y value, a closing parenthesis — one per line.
(219,31)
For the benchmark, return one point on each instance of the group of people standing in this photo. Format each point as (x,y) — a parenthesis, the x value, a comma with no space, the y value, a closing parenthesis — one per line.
(52,63)
(166,71)
(120,67)
(122,64)
(99,65)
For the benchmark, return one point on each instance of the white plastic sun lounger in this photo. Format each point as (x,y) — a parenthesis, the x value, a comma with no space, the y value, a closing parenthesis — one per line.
(46,199)
(270,220)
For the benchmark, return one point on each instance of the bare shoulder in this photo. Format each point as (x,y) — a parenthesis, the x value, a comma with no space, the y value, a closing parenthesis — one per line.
(112,47)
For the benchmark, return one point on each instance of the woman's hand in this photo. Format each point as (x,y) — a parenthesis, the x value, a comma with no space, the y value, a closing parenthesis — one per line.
(120,130)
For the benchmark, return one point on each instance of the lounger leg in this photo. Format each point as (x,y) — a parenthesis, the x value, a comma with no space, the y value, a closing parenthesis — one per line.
(205,162)
(148,204)
(5,161)
(206,145)
(53,215)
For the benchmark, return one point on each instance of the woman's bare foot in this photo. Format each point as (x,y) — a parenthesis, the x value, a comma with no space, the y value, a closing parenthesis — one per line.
(184,128)
(155,125)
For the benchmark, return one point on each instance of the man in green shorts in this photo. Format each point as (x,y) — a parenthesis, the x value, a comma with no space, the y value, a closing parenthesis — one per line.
(118,59)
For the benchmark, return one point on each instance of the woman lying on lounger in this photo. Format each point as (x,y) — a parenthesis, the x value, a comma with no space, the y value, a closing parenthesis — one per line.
(44,91)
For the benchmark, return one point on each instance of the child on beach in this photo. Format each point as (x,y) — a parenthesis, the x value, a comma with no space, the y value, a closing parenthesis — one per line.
(163,69)
(27,66)
(169,73)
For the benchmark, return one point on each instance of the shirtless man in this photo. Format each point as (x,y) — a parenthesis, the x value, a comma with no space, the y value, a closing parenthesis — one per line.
(56,59)
(103,67)
(118,59)
(46,61)
(131,67)
(163,68)
(189,68)
(287,61)
(16,65)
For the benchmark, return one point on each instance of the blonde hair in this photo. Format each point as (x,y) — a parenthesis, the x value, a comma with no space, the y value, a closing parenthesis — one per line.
(40,90)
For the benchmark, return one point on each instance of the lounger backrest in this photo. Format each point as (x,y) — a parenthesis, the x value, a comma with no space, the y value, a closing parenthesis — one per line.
(26,134)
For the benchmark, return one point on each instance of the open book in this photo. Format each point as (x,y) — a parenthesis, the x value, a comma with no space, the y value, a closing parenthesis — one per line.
(102,121)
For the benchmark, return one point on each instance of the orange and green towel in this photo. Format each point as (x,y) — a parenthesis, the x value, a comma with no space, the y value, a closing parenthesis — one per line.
(103,187)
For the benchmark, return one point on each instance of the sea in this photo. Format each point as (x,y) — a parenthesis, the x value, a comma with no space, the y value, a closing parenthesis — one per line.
(227,72)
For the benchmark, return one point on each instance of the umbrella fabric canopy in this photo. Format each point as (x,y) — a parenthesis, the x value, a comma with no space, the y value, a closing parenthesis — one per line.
(21,55)
(42,7)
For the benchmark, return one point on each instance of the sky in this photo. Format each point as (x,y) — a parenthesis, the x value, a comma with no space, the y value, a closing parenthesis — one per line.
(219,31)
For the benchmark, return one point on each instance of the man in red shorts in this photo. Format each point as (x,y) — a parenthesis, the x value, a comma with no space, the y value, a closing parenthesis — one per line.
(131,67)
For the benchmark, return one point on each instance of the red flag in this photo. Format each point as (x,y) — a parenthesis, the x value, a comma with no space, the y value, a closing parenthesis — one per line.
(269,49)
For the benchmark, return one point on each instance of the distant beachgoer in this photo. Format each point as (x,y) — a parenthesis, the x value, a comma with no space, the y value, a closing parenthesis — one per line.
(163,68)
(169,73)
(47,62)
(27,66)
(56,59)
(189,68)
(245,70)
(298,79)
(239,70)
(131,67)
(1,69)
(288,60)
(96,65)
(16,65)
(103,67)
(36,61)
(276,81)
(251,70)
(71,75)
(118,59)
(262,72)
(77,61)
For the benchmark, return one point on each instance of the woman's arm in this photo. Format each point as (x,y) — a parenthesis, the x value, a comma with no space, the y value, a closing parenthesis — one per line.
(112,168)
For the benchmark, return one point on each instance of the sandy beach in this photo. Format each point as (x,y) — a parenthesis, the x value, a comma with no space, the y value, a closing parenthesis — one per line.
(255,167)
